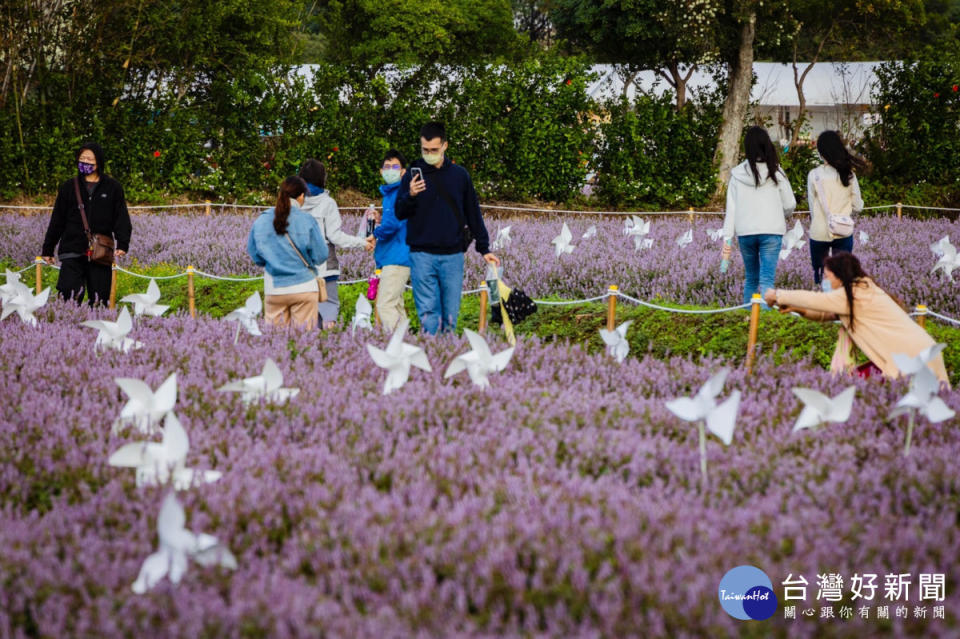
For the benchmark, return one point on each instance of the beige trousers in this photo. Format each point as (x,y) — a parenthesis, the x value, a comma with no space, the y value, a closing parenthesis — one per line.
(393,280)
(300,308)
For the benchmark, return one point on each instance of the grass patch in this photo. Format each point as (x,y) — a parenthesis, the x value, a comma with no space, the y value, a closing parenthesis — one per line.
(660,333)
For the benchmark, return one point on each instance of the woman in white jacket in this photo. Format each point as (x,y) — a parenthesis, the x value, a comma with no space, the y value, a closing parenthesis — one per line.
(838,184)
(323,208)
(759,198)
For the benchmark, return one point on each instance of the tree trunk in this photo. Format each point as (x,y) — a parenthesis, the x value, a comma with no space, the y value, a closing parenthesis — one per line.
(798,79)
(735,106)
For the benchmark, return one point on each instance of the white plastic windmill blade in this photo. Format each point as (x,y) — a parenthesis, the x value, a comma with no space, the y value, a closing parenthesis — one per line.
(722,420)
(132,455)
(592,231)
(457,366)
(139,395)
(565,233)
(864,237)
(176,443)
(153,569)
(153,291)
(42,298)
(814,400)
(272,376)
(420,360)
(380,357)
(363,307)
(647,243)
(124,321)
(841,406)
(937,411)
(937,247)
(478,345)
(623,328)
(907,365)
(610,338)
(685,408)
(808,418)
(165,397)
(254,304)
(395,345)
(714,386)
(500,361)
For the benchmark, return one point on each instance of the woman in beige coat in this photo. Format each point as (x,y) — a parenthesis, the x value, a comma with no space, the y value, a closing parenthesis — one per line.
(875,322)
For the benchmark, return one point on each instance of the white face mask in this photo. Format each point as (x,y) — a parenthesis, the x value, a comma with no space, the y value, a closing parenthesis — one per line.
(391,176)
(825,285)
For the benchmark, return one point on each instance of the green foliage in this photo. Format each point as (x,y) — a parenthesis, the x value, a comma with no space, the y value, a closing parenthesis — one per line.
(918,137)
(650,153)
(797,163)
(373,33)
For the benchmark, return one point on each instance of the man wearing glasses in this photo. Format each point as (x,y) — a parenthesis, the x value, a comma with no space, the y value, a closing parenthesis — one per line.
(438,200)
(391,254)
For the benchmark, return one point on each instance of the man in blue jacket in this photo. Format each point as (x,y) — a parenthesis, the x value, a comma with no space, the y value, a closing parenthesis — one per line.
(440,205)
(391,254)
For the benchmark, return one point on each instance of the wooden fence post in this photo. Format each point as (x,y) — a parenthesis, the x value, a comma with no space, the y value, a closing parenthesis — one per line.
(207,206)
(899,210)
(755,301)
(484,302)
(190,293)
(922,316)
(690,215)
(39,268)
(612,307)
(113,285)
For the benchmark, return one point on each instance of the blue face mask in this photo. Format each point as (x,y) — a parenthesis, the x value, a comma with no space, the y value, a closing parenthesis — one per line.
(825,285)
(86,168)
(391,176)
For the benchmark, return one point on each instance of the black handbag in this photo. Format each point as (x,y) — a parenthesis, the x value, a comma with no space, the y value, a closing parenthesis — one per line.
(518,307)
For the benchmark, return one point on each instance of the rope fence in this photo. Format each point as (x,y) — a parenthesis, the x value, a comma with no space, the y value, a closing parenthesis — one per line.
(208,208)
(611,295)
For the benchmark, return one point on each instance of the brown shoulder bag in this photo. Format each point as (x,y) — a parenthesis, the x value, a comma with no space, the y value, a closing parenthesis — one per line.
(99,246)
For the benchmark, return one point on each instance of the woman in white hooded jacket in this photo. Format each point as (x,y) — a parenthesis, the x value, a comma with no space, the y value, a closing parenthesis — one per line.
(323,208)
(759,198)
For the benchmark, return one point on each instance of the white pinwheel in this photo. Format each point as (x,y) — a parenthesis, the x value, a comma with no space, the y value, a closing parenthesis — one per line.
(685,239)
(267,385)
(635,225)
(864,237)
(638,228)
(715,235)
(8,290)
(503,239)
(479,362)
(819,408)
(719,419)
(157,463)
(177,545)
(922,396)
(145,408)
(616,340)
(948,261)
(21,301)
(562,242)
(792,239)
(146,303)
(246,316)
(398,357)
(114,334)
(912,365)
(591,232)
(939,247)
(362,313)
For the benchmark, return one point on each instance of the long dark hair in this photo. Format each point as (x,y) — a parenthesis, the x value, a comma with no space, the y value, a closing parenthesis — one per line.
(758,147)
(292,188)
(847,268)
(830,145)
(314,172)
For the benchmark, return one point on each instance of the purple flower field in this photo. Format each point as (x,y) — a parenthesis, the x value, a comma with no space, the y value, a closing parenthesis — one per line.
(897,254)
(565,501)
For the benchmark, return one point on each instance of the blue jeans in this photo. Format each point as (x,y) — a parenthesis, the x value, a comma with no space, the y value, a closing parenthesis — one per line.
(437,282)
(819,250)
(760,254)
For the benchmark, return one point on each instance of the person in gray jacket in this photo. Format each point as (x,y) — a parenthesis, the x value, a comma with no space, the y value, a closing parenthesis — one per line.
(323,208)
